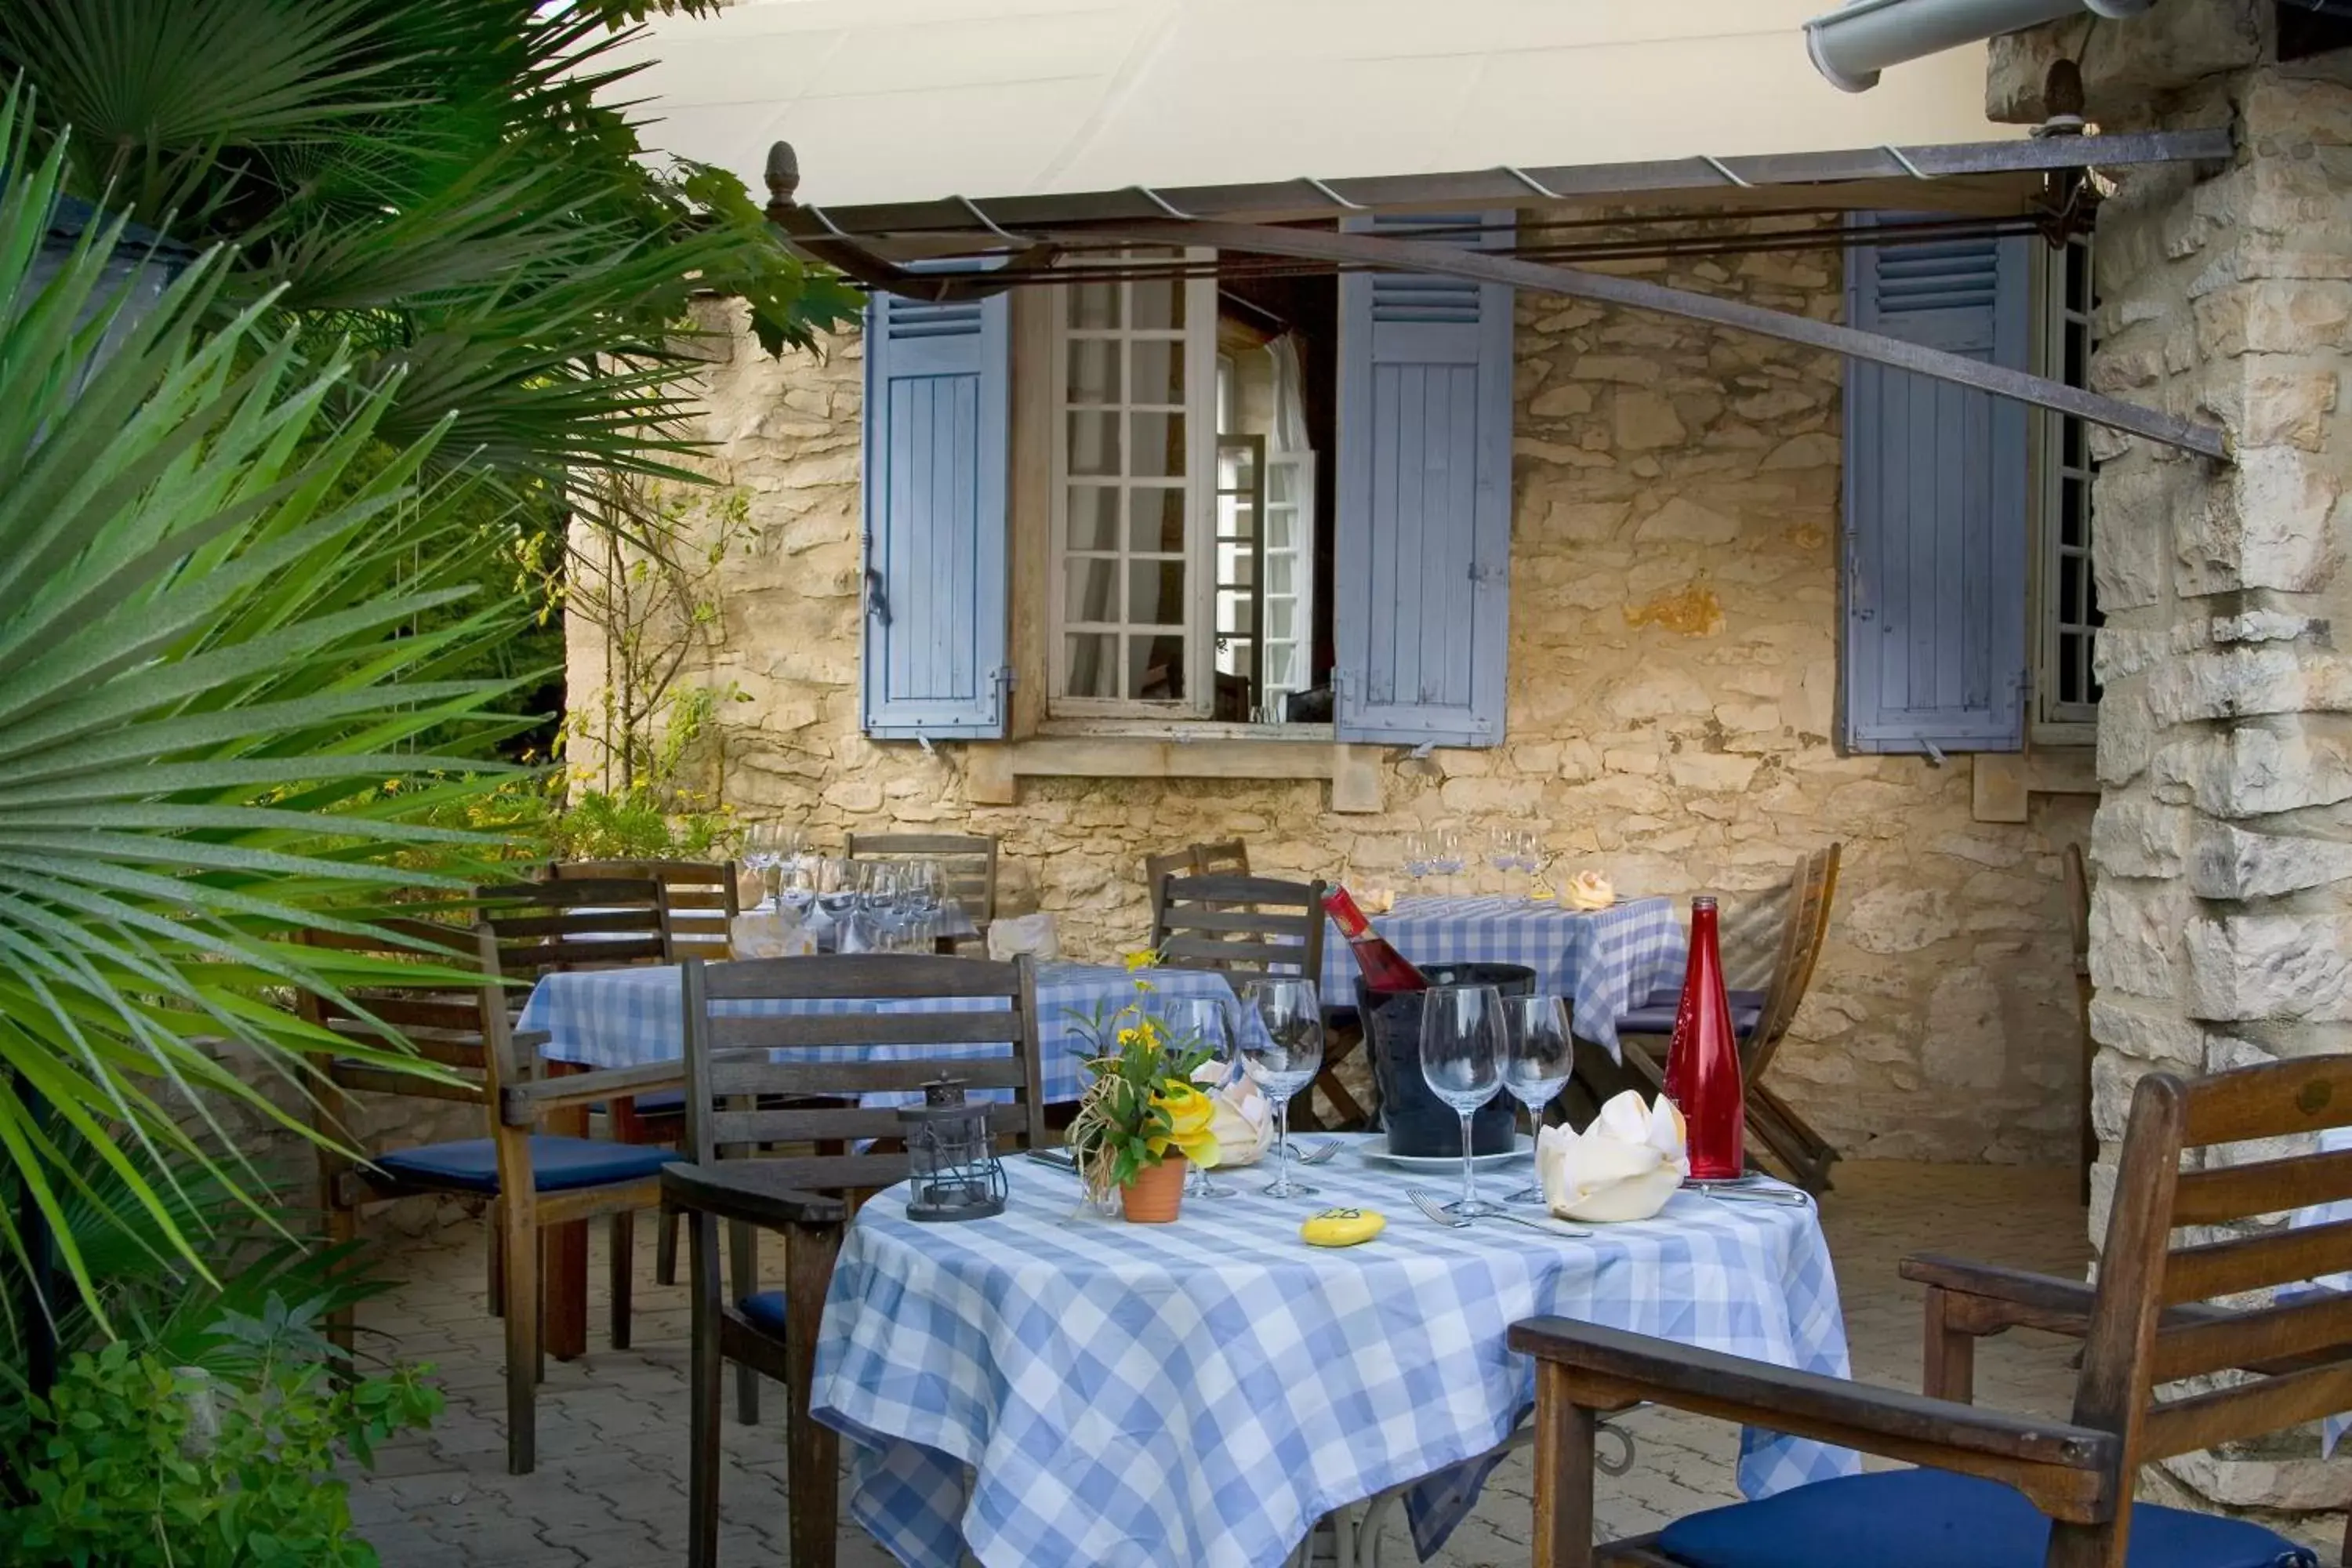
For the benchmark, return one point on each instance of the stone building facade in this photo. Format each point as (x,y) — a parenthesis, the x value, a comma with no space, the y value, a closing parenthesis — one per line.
(2223,879)
(1673,678)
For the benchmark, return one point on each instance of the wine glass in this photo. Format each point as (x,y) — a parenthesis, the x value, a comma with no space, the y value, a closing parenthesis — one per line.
(1461,1061)
(1416,857)
(1539,1056)
(1205,1022)
(1282,1048)
(919,885)
(763,851)
(796,881)
(837,899)
(1445,857)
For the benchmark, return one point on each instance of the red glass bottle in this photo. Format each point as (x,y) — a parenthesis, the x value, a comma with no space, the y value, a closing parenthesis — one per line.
(1702,1058)
(1386,970)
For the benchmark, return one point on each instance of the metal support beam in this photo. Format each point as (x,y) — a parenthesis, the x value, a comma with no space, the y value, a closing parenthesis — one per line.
(1410,255)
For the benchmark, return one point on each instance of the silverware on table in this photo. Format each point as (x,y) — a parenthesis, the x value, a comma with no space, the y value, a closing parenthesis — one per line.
(1428,1203)
(1786,1198)
(1316,1155)
(1060,1159)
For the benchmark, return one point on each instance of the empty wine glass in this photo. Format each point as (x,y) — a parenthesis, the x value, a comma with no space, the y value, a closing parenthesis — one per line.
(1416,857)
(1538,1057)
(1282,1048)
(837,900)
(1205,1022)
(796,881)
(919,887)
(763,851)
(1445,854)
(1461,1061)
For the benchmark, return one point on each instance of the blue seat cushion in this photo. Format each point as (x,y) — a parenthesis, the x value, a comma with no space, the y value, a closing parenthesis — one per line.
(557,1164)
(1657,1016)
(766,1312)
(1932,1518)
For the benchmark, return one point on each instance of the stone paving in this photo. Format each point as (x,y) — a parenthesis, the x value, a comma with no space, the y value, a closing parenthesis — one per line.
(609,1489)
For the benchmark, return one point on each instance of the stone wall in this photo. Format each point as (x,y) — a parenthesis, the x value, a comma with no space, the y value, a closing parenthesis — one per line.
(1673,612)
(2222,877)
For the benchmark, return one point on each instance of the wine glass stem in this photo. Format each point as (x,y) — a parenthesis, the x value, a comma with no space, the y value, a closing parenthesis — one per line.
(1282,1146)
(1469,1171)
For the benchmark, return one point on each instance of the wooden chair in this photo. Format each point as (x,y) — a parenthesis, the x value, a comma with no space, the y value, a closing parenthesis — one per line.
(2078,920)
(1230,858)
(1253,925)
(703,902)
(1762,1019)
(2000,1485)
(436,991)
(701,896)
(805,1198)
(968,861)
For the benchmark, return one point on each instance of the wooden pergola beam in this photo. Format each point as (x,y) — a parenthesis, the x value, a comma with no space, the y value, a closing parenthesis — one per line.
(1445,261)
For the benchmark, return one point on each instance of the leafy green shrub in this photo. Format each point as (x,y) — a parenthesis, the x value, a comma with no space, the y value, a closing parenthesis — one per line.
(131,1462)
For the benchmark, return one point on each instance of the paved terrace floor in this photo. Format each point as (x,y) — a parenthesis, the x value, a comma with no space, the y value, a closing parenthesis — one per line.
(610,1491)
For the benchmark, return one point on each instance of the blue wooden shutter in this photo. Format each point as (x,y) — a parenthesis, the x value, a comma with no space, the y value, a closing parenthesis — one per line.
(1423,535)
(1936,496)
(937,385)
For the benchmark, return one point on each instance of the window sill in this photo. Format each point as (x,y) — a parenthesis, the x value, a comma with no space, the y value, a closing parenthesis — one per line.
(996,768)
(1183,731)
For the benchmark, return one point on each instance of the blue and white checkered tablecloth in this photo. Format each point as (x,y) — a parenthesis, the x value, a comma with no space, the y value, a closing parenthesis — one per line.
(1606,963)
(1051,1386)
(633,1017)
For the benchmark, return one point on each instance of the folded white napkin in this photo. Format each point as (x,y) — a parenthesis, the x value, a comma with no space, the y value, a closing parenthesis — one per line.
(1622,1167)
(770,933)
(1588,890)
(1244,1122)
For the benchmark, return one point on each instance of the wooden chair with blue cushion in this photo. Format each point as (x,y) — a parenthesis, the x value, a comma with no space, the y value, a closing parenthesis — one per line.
(758,1064)
(398,993)
(1996,1490)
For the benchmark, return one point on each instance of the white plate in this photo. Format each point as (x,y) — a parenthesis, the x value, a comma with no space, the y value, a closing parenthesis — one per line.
(1376,1150)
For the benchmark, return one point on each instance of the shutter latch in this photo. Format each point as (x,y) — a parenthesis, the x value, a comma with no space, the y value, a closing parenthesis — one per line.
(878,603)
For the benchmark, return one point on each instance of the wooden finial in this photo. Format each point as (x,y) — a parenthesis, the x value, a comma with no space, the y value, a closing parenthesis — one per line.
(784,173)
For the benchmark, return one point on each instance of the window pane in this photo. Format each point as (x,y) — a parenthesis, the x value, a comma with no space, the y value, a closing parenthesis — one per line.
(1094,444)
(1237,468)
(1281,617)
(1277,528)
(1090,588)
(1281,574)
(1233,655)
(1094,664)
(1159,371)
(1093,370)
(1156,519)
(1155,667)
(1158,306)
(2071,604)
(1281,666)
(1094,306)
(2070,512)
(2075,457)
(1234,613)
(2078,348)
(1155,592)
(1158,446)
(2078,279)
(2070,669)
(1094,517)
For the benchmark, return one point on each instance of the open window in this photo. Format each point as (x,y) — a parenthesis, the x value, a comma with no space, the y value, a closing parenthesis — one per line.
(1189,571)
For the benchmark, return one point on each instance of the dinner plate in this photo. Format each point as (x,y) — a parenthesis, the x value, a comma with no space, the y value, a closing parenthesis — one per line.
(1376,1150)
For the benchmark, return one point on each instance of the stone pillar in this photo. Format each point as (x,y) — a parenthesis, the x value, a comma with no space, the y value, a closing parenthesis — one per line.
(2222,916)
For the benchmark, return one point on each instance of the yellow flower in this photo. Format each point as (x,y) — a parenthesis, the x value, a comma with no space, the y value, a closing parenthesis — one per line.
(1141,958)
(1192,1118)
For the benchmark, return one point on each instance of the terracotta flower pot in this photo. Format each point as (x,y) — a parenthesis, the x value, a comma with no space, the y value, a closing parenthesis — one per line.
(1156,1194)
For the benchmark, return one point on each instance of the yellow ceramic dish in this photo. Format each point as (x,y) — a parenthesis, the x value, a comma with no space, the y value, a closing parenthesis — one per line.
(1342,1228)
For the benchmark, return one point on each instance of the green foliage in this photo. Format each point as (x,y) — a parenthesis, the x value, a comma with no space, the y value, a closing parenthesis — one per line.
(448,184)
(213,654)
(134,1460)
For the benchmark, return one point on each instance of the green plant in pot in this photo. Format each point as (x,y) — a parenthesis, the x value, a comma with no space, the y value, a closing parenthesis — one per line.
(1141,1119)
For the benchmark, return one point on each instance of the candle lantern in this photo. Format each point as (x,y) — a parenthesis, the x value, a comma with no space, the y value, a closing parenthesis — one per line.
(952,1169)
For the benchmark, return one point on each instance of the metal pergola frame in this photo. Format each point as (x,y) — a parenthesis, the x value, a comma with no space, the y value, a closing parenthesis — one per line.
(1024,237)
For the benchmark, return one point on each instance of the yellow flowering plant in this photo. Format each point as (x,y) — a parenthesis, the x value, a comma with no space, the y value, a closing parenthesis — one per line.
(1142,1105)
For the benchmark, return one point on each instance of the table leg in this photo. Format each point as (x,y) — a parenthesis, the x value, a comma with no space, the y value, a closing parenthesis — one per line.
(565,1280)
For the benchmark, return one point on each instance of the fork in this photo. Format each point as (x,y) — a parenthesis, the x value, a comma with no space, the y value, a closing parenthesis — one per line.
(1428,1203)
(1316,1155)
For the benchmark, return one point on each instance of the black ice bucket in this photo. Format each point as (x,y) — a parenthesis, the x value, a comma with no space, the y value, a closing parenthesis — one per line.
(1417,1121)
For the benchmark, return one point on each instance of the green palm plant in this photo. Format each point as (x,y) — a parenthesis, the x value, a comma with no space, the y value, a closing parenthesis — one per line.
(451,186)
(231,615)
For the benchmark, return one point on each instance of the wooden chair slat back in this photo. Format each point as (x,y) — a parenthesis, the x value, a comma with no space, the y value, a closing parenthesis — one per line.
(702,896)
(2155,1319)
(1256,924)
(1800,927)
(968,862)
(727,1054)
(1229,857)
(442,1025)
(580,923)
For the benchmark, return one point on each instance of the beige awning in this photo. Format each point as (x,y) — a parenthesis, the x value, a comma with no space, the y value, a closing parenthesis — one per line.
(896,101)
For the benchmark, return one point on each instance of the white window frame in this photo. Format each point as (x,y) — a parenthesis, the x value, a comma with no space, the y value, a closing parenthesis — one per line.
(1301,464)
(1200,340)
(2052,721)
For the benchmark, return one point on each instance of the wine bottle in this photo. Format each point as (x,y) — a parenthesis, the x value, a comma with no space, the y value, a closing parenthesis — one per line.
(1386,971)
(1702,1058)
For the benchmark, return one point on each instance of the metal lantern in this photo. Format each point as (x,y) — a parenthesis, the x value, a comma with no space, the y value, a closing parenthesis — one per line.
(952,1169)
